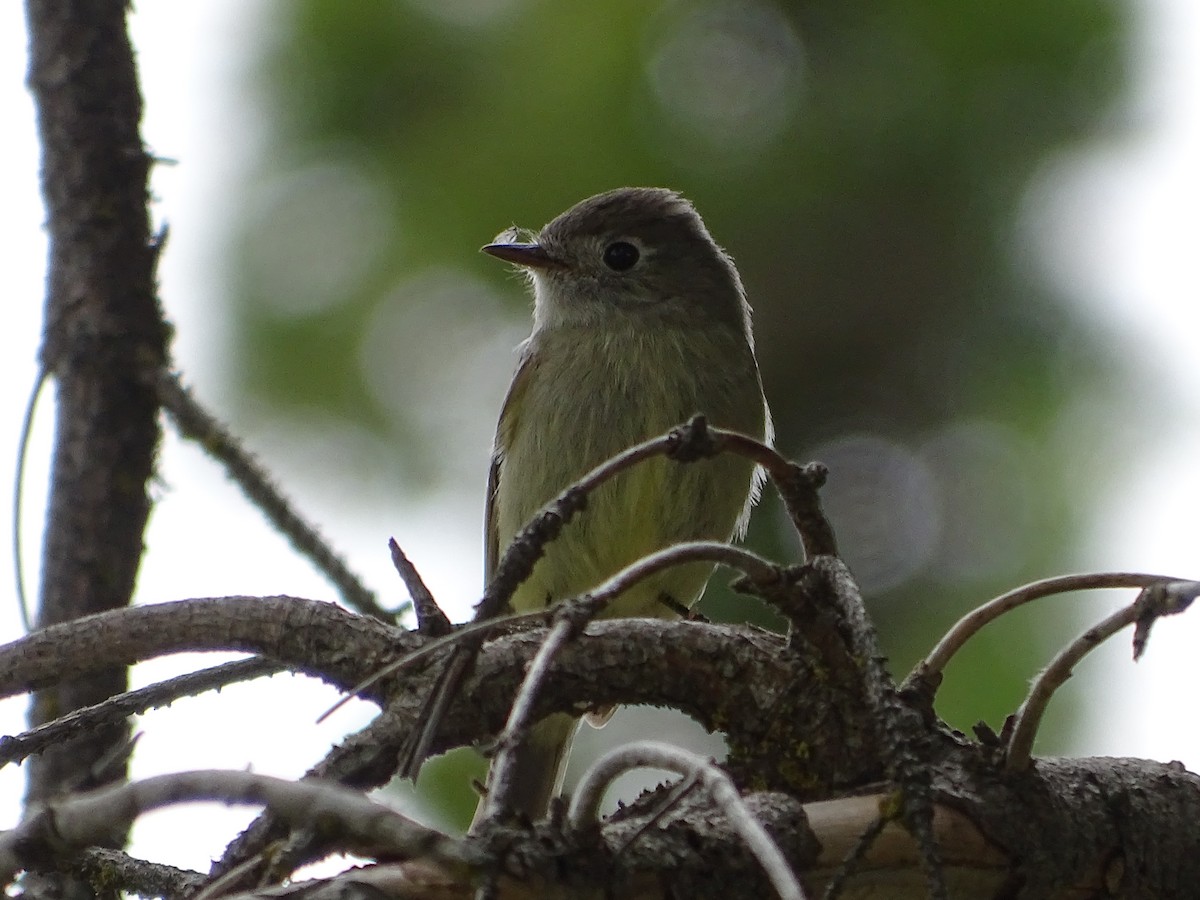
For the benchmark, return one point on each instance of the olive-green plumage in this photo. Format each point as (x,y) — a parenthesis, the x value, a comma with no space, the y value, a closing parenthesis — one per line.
(640,322)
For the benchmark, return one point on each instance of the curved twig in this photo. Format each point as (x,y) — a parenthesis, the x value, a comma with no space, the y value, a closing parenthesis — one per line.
(586,802)
(797,485)
(18,497)
(927,672)
(757,569)
(570,618)
(1158,599)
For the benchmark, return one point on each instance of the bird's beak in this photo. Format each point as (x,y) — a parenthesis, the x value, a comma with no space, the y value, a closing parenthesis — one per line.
(532,256)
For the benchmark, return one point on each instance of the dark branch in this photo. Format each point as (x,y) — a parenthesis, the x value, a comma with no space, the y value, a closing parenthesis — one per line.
(104,340)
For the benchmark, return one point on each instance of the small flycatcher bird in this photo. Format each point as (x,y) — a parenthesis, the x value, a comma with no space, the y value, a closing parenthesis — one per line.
(640,322)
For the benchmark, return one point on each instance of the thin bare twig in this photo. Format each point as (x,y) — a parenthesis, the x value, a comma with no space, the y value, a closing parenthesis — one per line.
(226,882)
(854,858)
(586,803)
(472,630)
(1158,599)
(797,485)
(570,619)
(758,570)
(431,621)
(18,495)
(198,424)
(926,674)
(115,709)
(674,796)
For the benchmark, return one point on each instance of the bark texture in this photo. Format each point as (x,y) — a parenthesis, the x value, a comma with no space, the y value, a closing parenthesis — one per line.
(104,341)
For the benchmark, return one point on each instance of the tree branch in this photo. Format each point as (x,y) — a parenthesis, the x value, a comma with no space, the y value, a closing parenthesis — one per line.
(741,680)
(104,341)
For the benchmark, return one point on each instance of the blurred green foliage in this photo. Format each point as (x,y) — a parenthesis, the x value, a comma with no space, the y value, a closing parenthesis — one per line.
(865,163)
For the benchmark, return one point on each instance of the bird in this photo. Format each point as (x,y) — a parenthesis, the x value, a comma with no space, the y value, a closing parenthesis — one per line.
(640,322)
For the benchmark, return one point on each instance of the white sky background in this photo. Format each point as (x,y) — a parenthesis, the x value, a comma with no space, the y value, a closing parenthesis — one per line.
(1119,229)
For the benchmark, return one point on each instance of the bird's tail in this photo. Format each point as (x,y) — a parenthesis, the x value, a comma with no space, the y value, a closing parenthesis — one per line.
(540,767)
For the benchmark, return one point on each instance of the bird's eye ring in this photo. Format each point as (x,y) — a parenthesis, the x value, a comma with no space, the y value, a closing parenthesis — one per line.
(621,256)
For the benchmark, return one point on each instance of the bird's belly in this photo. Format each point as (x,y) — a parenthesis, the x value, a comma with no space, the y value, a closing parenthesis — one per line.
(652,505)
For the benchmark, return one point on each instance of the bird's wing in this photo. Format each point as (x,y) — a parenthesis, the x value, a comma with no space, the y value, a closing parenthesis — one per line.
(509,422)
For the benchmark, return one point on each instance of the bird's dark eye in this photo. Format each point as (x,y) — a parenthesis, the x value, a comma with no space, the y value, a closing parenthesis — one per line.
(621,256)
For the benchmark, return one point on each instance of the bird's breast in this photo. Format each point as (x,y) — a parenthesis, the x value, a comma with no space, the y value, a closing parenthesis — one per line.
(591,395)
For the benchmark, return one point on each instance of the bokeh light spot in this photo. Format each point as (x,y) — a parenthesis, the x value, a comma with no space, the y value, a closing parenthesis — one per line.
(727,73)
(318,233)
(468,13)
(884,505)
(436,355)
(981,470)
